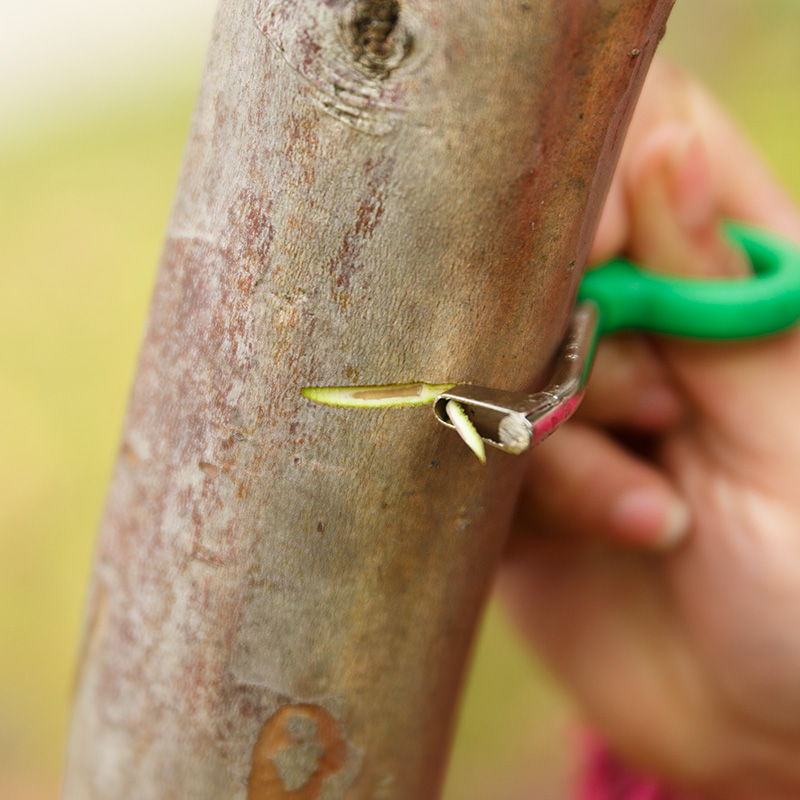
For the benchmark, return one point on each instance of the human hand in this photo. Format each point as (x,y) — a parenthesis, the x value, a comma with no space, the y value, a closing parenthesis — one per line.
(661,580)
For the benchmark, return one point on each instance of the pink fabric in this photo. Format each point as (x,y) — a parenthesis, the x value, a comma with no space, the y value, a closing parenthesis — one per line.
(607,778)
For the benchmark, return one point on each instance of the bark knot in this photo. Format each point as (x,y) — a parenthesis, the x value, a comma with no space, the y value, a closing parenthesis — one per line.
(354,55)
(378,42)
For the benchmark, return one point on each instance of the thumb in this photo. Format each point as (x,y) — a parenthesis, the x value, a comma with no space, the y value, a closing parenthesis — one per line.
(674,216)
(745,394)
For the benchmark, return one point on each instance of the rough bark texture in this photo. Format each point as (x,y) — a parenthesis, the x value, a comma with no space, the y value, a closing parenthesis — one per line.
(374,191)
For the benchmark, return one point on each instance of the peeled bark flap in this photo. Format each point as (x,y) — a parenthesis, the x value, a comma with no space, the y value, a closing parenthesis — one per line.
(374,191)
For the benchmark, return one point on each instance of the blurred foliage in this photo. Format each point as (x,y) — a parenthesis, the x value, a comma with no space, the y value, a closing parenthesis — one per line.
(747,52)
(83,204)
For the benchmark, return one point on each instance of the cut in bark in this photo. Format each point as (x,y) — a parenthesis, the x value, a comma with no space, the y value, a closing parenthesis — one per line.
(374,191)
(387,396)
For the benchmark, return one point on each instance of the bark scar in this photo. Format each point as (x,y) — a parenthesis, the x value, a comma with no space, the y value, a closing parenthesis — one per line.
(349,53)
(298,748)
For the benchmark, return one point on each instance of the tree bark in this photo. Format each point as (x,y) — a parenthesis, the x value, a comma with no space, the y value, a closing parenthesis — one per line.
(374,191)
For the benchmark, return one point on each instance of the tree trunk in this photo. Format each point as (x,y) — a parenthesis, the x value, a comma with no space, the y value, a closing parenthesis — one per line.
(374,191)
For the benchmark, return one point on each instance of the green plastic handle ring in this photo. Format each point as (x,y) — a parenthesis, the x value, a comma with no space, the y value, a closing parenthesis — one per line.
(630,297)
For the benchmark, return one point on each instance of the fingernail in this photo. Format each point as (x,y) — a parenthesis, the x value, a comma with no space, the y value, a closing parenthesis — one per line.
(650,516)
(690,184)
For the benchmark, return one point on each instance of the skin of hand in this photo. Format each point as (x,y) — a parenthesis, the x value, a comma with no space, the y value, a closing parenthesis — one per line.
(655,556)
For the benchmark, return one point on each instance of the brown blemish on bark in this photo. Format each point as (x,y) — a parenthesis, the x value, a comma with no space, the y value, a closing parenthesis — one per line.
(129,454)
(298,748)
(208,469)
(206,556)
(353,373)
(350,273)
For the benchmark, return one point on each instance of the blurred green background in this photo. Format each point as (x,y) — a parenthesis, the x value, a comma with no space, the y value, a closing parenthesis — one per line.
(96,106)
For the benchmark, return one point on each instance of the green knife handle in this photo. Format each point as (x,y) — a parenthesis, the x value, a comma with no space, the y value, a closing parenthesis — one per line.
(630,297)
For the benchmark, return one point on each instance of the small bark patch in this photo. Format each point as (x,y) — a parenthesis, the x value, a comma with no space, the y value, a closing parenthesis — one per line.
(298,748)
